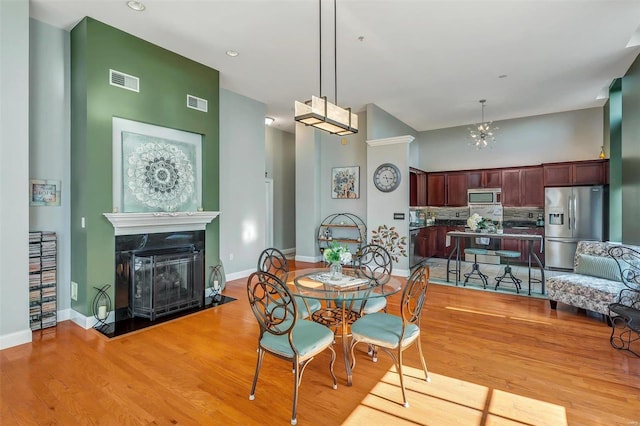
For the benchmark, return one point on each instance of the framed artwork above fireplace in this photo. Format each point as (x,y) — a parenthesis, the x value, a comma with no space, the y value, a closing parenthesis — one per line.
(155,169)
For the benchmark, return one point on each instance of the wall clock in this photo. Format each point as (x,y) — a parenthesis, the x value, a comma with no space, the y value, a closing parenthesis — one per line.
(386,177)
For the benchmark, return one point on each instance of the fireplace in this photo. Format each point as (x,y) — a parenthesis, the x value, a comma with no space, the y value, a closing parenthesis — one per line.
(166,281)
(159,274)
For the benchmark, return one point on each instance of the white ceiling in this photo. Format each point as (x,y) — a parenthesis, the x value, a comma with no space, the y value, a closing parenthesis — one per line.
(428,63)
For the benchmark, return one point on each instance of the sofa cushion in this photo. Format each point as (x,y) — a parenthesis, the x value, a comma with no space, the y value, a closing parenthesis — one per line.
(596,266)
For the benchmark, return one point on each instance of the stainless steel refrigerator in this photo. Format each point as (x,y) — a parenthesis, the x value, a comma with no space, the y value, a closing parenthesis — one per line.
(571,214)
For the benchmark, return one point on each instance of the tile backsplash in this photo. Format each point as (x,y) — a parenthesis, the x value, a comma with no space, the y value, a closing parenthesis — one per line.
(515,214)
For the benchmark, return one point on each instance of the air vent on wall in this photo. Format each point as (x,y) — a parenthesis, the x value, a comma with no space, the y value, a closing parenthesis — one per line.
(197,103)
(124,81)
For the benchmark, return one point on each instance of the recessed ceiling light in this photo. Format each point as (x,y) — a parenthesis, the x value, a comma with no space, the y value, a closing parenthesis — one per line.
(269,121)
(136,5)
(232,53)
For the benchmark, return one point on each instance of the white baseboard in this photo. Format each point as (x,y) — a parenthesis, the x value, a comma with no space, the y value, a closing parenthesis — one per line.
(289,251)
(88,322)
(310,259)
(401,273)
(14,339)
(64,315)
(239,275)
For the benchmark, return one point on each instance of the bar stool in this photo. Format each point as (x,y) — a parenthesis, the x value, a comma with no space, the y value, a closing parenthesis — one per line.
(475,267)
(508,275)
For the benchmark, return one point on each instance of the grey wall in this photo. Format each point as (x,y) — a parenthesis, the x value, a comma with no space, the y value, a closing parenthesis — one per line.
(14,173)
(382,125)
(346,151)
(317,153)
(280,166)
(49,140)
(565,136)
(242,196)
(381,206)
(308,194)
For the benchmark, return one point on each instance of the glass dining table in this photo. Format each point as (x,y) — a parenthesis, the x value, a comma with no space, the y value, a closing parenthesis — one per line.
(341,298)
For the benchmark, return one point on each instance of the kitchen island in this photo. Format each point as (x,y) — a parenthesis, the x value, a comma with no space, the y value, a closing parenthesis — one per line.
(529,238)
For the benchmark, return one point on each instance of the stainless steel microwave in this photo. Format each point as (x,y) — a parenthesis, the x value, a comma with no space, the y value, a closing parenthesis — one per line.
(484,196)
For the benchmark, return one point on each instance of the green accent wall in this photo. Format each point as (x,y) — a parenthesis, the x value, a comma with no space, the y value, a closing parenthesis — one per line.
(165,80)
(615,161)
(630,153)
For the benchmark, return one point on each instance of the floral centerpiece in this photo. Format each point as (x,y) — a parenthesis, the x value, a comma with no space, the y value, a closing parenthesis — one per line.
(336,255)
(476,222)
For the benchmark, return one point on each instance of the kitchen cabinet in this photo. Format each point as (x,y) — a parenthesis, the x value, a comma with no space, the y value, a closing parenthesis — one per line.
(523,187)
(522,246)
(417,188)
(436,195)
(511,187)
(531,187)
(456,185)
(429,238)
(491,178)
(593,172)
(447,189)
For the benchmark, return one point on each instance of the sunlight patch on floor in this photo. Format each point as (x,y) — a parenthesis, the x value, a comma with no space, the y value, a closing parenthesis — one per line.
(449,401)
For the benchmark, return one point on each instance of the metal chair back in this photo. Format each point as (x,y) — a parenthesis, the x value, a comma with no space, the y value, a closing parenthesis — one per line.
(272,303)
(274,261)
(374,262)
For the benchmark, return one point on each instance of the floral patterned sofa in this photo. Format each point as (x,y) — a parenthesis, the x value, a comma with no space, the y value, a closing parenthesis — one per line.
(594,283)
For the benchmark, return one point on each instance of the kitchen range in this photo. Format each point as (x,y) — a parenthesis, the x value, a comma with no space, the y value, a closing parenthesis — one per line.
(487,204)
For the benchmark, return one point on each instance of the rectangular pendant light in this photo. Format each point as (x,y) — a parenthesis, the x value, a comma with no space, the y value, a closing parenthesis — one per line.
(323,115)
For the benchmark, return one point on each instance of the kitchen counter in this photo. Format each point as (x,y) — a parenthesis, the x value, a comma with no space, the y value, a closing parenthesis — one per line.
(518,234)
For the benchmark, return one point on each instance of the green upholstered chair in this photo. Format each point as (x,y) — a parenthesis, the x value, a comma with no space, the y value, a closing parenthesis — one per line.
(274,261)
(393,334)
(283,333)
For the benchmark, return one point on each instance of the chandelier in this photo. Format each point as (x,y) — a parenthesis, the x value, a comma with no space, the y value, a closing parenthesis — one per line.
(482,134)
(318,111)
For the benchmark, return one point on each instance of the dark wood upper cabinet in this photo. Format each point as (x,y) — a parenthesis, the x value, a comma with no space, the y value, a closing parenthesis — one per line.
(417,188)
(436,189)
(531,187)
(591,172)
(413,189)
(523,187)
(456,189)
(511,187)
(491,178)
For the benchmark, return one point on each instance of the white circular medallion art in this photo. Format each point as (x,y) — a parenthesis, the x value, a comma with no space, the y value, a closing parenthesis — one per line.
(160,175)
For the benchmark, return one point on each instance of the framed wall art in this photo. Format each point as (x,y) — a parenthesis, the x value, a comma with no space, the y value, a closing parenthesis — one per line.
(345,182)
(44,192)
(155,169)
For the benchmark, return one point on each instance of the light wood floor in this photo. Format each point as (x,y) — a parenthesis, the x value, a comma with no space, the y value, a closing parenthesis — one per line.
(494,359)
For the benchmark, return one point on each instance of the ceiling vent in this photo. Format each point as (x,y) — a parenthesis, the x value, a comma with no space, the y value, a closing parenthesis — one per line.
(124,81)
(197,103)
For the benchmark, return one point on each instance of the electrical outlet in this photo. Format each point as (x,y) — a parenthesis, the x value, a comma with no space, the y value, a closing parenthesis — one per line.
(457,214)
(530,215)
(74,291)
(230,256)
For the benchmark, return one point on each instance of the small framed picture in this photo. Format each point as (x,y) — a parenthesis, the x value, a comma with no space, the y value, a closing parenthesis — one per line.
(345,182)
(44,192)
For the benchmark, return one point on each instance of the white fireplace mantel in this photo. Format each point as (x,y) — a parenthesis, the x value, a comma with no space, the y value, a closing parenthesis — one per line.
(155,222)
